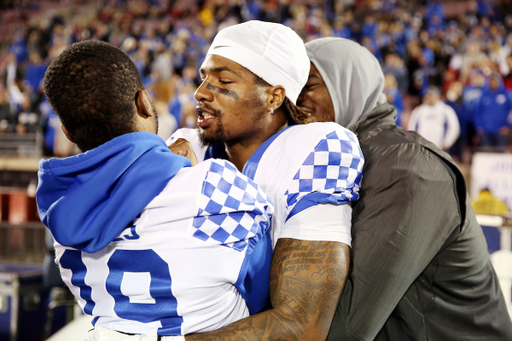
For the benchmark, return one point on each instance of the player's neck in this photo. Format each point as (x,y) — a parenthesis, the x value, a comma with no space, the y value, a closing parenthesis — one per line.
(240,151)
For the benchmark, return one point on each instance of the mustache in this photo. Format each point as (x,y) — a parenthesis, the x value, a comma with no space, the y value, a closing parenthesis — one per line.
(201,107)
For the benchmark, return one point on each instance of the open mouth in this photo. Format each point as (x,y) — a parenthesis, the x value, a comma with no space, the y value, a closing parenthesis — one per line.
(204,117)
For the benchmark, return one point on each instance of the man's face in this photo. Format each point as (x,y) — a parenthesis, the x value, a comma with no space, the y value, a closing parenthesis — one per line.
(430,98)
(494,83)
(315,99)
(230,104)
(478,80)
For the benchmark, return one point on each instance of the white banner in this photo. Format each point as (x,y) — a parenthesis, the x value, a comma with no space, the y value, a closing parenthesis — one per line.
(494,172)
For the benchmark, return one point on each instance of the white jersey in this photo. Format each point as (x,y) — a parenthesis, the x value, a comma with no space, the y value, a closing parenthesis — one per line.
(310,172)
(437,123)
(186,264)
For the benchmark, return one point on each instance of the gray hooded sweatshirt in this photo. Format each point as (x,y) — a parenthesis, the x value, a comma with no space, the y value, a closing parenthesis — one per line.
(420,268)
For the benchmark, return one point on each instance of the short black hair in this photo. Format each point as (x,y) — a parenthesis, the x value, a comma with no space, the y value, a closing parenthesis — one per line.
(92,86)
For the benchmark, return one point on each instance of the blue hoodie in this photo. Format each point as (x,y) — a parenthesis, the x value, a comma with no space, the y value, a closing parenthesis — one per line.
(470,97)
(493,109)
(88,199)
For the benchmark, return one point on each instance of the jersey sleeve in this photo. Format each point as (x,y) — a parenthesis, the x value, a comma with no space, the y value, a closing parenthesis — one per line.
(326,183)
(324,222)
(331,173)
(235,213)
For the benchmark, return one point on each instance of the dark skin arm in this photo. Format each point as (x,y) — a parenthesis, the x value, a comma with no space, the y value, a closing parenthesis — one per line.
(184,148)
(306,281)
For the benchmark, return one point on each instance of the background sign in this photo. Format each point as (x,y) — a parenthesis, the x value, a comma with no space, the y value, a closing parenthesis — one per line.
(494,172)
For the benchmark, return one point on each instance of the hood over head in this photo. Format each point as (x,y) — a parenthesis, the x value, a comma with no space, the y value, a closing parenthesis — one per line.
(352,74)
(88,199)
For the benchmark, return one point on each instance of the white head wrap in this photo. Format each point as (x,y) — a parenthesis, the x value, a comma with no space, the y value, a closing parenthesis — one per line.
(272,51)
(352,74)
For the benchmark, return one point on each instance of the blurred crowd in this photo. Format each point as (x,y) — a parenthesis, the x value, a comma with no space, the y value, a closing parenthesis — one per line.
(432,58)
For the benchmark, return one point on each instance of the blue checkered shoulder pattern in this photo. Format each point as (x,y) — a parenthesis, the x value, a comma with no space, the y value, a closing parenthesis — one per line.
(331,173)
(233,209)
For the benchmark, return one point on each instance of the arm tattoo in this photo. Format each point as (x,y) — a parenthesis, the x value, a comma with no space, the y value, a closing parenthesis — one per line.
(306,281)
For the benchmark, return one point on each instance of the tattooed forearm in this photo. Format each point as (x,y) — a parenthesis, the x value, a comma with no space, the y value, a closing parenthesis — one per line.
(306,282)
(312,274)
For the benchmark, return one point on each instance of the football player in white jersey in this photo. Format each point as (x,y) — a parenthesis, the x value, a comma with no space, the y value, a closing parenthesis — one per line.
(251,78)
(147,244)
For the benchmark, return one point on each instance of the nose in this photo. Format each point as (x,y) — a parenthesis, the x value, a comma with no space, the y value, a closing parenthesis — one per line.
(202,93)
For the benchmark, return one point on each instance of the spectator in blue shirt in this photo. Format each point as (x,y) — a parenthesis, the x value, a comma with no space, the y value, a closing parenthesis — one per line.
(339,30)
(493,114)
(454,99)
(35,72)
(394,65)
(488,9)
(19,48)
(435,25)
(393,96)
(434,8)
(369,28)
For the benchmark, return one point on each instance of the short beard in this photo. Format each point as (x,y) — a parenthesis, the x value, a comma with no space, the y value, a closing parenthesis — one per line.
(219,134)
(217,137)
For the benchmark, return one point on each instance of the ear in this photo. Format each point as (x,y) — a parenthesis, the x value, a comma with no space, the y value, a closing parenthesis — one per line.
(277,94)
(66,132)
(143,105)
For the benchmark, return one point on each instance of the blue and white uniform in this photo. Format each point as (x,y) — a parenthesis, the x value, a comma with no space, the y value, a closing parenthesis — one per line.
(310,172)
(151,246)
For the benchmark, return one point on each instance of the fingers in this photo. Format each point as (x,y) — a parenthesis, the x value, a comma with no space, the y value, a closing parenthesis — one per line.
(184,148)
